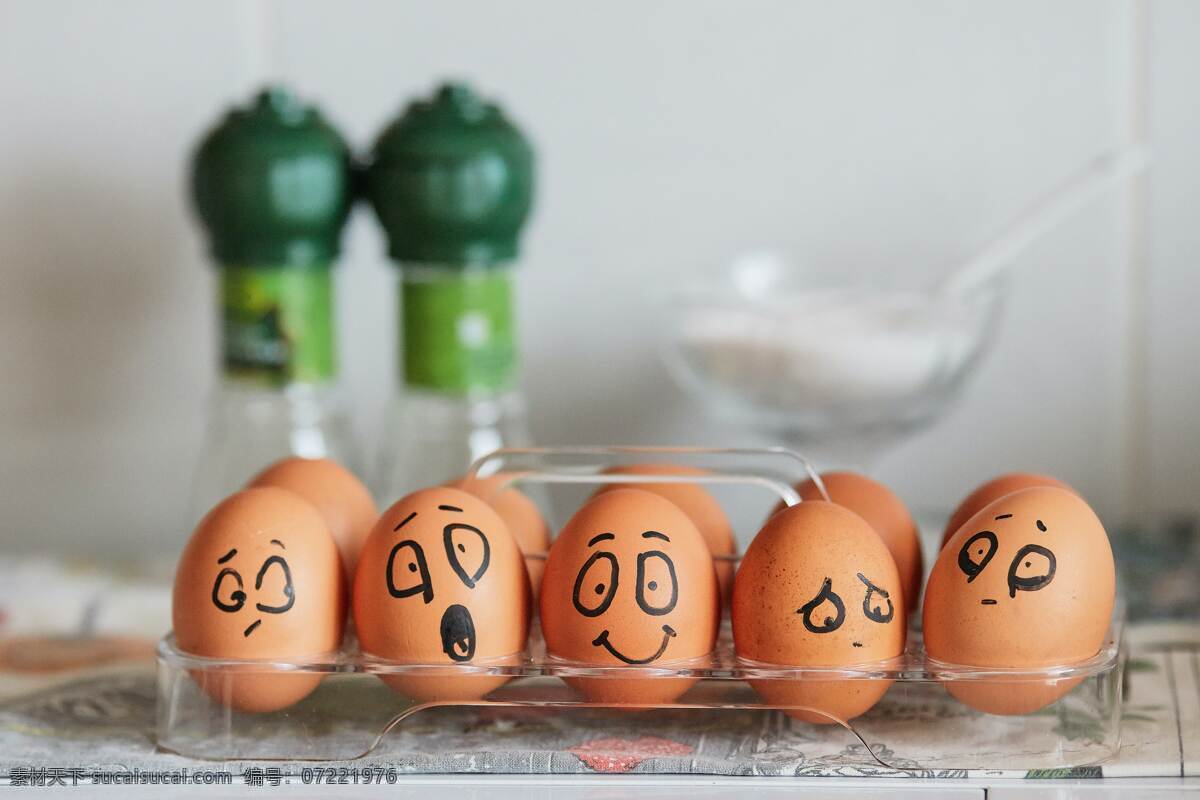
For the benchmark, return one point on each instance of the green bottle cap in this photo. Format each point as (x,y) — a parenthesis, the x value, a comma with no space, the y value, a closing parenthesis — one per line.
(271,183)
(451,180)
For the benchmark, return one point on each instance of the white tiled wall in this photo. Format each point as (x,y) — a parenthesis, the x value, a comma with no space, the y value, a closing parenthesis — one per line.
(670,136)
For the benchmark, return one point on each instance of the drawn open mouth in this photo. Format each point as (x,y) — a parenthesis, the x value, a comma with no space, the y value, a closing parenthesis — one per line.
(458,633)
(602,641)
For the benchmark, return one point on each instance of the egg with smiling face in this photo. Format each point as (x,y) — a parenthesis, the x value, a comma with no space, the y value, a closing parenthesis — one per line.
(818,588)
(629,582)
(441,582)
(259,579)
(1028,581)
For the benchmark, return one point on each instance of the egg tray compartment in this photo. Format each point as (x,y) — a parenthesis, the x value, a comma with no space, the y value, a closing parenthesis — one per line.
(917,725)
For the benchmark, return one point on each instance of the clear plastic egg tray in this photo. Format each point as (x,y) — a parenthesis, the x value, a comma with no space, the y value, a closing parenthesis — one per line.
(917,725)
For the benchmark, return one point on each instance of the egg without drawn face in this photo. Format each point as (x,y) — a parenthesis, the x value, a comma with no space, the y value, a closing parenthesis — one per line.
(520,514)
(259,579)
(992,491)
(695,501)
(1028,581)
(441,581)
(818,587)
(885,513)
(341,498)
(629,581)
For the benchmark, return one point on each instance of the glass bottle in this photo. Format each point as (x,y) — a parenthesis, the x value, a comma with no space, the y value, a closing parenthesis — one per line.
(271,185)
(451,181)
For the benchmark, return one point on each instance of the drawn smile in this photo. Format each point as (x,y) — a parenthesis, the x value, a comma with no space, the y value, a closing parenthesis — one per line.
(602,641)
(252,627)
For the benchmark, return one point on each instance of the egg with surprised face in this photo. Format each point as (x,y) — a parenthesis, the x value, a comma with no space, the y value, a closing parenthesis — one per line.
(440,581)
(818,588)
(1028,581)
(259,579)
(629,582)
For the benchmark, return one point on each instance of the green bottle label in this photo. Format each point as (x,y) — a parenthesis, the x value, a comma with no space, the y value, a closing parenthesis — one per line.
(277,324)
(459,333)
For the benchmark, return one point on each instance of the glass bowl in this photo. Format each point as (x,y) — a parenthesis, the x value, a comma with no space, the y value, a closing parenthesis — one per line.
(811,359)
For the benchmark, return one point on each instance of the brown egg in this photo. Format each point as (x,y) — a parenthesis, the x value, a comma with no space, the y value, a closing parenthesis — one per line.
(629,581)
(340,497)
(441,581)
(259,579)
(994,490)
(883,511)
(698,504)
(817,587)
(520,514)
(1026,582)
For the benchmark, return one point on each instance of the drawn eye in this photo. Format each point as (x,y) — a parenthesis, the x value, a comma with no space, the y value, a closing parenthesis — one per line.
(227,593)
(1031,569)
(975,554)
(274,583)
(826,612)
(468,551)
(596,584)
(657,588)
(407,572)
(871,607)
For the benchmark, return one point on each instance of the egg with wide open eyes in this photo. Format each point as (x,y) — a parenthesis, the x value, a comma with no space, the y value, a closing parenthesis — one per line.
(259,579)
(818,588)
(1027,582)
(630,583)
(441,582)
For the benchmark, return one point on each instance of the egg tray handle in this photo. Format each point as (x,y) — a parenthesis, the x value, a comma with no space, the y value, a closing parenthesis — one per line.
(553,465)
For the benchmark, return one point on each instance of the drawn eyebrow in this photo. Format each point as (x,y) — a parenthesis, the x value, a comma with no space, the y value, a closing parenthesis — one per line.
(450,508)
(1004,516)
(227,556)
(276,541)
(655,535)
(599,537)
(1041,526)
(405,521)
